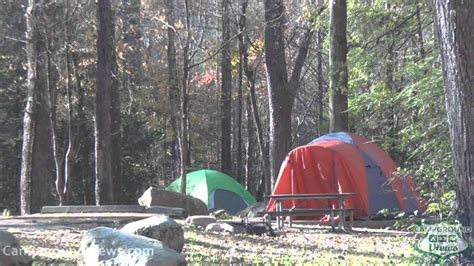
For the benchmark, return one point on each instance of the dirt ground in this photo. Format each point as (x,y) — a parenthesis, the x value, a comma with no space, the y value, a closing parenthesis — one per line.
(56,239)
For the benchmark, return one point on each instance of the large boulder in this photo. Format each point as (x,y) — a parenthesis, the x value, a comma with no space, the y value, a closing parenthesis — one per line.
(158,197)
(159,227)
(253,211)
(11,253)
(107,246)
(201,220)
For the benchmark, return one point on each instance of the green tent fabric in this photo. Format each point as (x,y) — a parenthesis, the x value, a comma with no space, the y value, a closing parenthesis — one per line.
(217,190)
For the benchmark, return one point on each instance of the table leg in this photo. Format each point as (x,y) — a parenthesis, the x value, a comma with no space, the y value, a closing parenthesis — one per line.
(342,215)
(331,217)
(278,217)
(352,219)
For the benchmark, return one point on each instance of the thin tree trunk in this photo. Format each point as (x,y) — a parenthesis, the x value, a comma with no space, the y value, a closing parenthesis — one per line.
(29,122)
(250,75)
(58,157)
(173,89)
(456,36)
(104,188)
(132,37)
(319,67)
(338,88)
(184,102)
(70,152)
(249,151)
(419,32)
(226,86)
(278,93)
(83,136)
(238,171)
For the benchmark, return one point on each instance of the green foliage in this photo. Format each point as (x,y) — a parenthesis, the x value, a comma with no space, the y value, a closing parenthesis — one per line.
(396,91)
(446,205)
(6,213)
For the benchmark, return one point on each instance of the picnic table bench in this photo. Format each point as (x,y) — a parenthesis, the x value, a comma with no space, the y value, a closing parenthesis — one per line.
(280,213)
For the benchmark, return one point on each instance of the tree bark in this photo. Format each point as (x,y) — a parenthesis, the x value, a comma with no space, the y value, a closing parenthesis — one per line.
(71,148)
(338,88)
(184,102)
(106,131)
(252,98)
(277,81)
(173,89)
(83,136)
(319,67)
(226,87)
(132,38)
(249,149)
(456,36)
(241,21)
(37,159)
(281,90)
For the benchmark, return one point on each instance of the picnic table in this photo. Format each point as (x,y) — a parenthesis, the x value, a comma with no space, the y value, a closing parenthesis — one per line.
(280,213)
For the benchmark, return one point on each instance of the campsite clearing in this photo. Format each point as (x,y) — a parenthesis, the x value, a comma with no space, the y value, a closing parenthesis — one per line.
(59,242)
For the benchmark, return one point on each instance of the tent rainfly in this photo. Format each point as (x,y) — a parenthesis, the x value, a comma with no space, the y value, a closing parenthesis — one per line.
(345,162)
(217,190)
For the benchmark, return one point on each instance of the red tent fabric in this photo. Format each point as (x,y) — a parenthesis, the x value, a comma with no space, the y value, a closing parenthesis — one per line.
(345,162)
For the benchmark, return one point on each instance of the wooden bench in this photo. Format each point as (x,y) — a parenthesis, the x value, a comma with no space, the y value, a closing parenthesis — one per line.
(313,212)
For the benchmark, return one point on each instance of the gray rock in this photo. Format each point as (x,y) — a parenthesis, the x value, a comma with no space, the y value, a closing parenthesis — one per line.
(158,197)
(201,220)
(159,227)
(220,227)
(107,246)
(253,211)
(11,253)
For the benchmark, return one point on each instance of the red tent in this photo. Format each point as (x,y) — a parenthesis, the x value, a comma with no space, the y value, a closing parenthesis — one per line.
(345,162)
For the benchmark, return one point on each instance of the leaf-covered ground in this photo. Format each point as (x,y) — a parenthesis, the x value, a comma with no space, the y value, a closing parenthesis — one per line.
(303,244)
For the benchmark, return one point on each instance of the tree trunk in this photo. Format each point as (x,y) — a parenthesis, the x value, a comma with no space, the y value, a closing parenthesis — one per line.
(105,110)
(319,68)
(226,86)
(250,75)
(456,36)
(173,89)
(83,136)
(71,148)
(184,101)
(242,21)
(37,160)
(281,90)
(132,38)
(279,95)
(249,149)
(338,88)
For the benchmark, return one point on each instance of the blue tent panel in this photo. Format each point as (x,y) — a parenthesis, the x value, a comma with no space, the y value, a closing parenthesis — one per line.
(381,195)
(341,136)
(227,200)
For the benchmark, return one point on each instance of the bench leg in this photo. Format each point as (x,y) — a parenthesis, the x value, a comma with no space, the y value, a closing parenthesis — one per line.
(290,222)
(342,219)
(332,220)
(352,219)
(279,219)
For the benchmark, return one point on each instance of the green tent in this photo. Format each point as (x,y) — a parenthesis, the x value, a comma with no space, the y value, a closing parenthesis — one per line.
(217,190)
